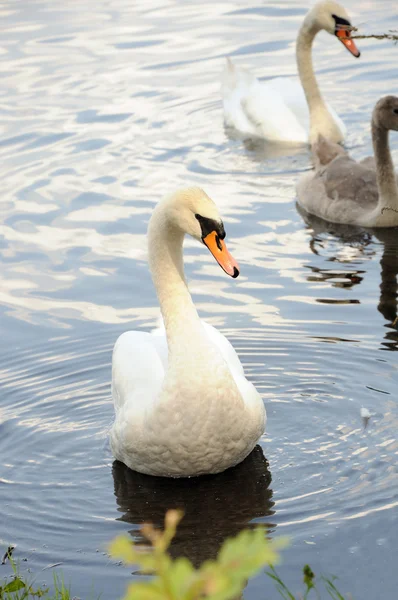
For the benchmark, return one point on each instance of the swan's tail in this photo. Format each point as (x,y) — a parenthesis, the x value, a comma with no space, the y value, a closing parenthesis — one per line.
(324,151)
(235,78)
(237,85)
(228,76)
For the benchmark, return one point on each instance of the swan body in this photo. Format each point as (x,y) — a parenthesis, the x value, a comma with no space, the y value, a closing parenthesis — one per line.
(362,193)
(183,406)
(282,109)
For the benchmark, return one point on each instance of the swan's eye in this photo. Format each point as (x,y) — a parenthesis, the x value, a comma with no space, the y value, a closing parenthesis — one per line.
(395,111)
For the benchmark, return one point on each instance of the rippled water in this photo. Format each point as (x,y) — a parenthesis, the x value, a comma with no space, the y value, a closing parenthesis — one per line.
(105,107)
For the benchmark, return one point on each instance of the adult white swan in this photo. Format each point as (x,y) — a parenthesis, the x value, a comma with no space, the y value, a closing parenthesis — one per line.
(183,405)
(344,191)
(281,109)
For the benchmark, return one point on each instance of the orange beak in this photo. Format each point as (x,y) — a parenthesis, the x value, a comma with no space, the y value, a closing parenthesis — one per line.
(344,35)
(219,250)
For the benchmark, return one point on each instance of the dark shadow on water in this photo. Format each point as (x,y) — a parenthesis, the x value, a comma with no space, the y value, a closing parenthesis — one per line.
(215,506)
(362,239)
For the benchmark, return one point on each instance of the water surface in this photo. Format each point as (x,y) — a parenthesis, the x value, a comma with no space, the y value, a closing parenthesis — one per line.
(104,109)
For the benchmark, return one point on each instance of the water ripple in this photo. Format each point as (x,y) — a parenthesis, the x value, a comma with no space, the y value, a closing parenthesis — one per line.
(104,111)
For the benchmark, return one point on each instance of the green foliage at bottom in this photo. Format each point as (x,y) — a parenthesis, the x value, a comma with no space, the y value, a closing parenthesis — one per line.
(224,578)
(18,588)
(221,579)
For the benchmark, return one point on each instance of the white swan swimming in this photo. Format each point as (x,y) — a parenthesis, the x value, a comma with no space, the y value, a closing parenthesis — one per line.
(183,405)
(283,109)
(344,191)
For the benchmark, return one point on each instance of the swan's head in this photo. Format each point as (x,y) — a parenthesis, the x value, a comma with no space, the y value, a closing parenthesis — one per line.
(194,213)
(385,113)
(333,18)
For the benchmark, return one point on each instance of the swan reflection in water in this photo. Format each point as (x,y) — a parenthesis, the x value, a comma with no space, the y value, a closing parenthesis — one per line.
(215,506)
(362,240)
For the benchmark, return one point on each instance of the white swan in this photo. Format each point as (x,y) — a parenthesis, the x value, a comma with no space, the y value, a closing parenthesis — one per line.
(344,191)
(281,109)
(183,405)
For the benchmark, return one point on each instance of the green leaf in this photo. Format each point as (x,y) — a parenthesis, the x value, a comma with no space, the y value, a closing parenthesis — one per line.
(248,552)
(14,585)
(218,584)
(39,592)
(239,559)
(181,576)
(123,548)
(308,577)
(221,579)
(148,590)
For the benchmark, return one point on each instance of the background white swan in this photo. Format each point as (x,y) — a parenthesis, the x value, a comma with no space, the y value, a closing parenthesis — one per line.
(283,109)
(344,191)
(183,405)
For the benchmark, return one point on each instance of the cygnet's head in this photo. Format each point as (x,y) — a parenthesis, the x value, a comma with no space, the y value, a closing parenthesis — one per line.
(333,18)
(385,113)
(194,213)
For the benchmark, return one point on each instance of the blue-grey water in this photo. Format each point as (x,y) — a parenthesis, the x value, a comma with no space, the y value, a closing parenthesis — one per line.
(105,107)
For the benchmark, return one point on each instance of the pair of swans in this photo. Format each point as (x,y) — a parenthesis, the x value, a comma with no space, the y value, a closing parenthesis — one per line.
(339,189)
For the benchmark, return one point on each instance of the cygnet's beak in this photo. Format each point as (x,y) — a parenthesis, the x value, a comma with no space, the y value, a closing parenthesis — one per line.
(219,250)
(344,35)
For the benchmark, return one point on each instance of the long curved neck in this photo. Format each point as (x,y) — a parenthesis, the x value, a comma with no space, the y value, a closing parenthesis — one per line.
(180,317)
(386,178)
(321,120)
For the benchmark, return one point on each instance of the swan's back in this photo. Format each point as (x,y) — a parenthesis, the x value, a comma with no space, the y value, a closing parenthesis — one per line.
(140,362)
(340,189)
(342,176)
(346,179)
(271,109)
(276,110)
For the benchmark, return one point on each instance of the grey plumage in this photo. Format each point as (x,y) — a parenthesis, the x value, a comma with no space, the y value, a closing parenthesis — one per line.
(343,190)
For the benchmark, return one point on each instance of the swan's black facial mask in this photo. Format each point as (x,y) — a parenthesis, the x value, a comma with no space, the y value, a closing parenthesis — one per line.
(208,225)
(343,33)
(213,235)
